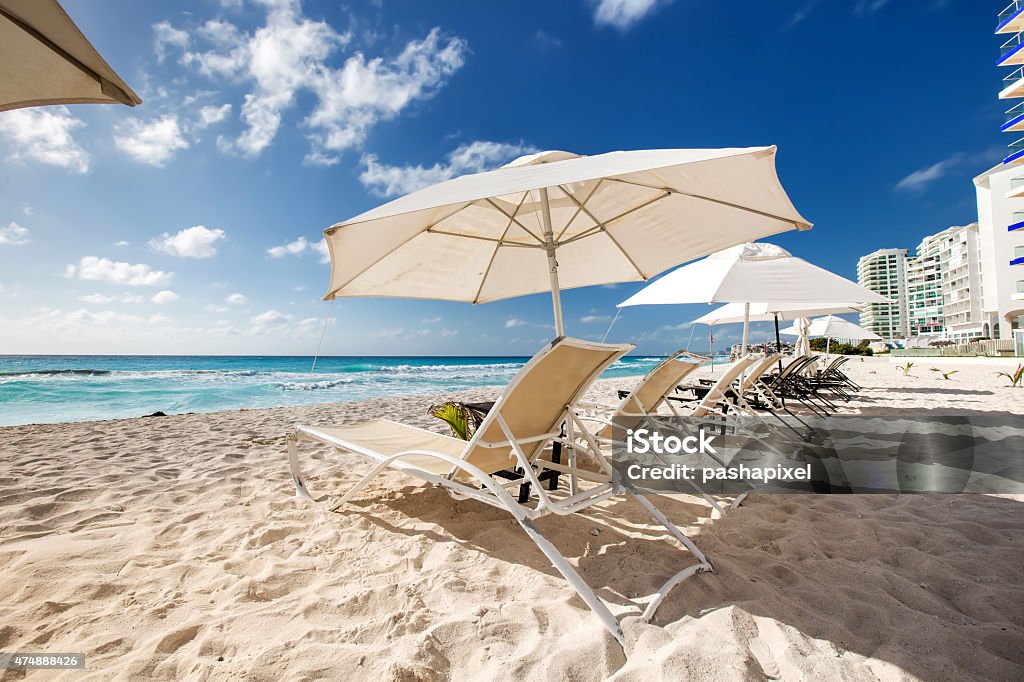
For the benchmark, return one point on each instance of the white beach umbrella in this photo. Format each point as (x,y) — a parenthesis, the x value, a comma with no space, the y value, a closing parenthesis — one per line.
(731,313)
(803,341)
(748,273)
(767,312)
(45,59)
(831,327)
(556,220)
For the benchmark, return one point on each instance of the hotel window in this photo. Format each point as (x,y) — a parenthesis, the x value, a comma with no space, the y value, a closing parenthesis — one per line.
(1018,252)
(1020,286)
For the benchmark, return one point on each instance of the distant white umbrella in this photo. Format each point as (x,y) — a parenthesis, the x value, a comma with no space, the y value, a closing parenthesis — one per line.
(748,273)
(731,313)
(768,312)
(45,59)
(556,220)
(831,327)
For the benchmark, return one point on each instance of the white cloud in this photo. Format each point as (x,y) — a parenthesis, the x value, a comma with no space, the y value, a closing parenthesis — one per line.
(384,180)
(165,296)
(869,6)
(431,320)
(97,269)
(290,249)
(210,114)
(44,135)
(299,247)
(289,54)
(13,235)
(101,299)
(269,321)
(121,243)
(235,299)
(356,97)
(197,241)
(164,36)
(153,143)
(324,251)
(513,322)
(591,319)
(622,14)
(921,178)
(270,317)
(215,308)
(802,13)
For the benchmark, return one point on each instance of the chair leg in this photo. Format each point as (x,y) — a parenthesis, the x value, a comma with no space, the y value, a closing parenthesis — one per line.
(574,579)
(301,491)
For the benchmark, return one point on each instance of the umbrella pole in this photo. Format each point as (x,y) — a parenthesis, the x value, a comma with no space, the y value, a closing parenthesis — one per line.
(778,341)
(549,246)
(746,328)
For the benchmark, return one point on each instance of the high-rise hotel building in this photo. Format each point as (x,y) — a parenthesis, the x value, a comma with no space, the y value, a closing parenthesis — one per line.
(1000,193)
(885,272)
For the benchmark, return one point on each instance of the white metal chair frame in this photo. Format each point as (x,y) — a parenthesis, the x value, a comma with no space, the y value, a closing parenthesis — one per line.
(494,493)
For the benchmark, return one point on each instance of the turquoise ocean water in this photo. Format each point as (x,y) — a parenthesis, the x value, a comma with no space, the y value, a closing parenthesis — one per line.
(57,388)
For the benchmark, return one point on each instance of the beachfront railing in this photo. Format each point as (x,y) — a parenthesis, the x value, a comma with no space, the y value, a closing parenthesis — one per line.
(991,348)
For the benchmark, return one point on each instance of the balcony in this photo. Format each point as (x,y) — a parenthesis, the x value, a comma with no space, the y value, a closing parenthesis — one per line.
(1010,52)
(1018,221)
(1016,188)
(1014,119)
(1013,85)
(1011,19)
(1016,152)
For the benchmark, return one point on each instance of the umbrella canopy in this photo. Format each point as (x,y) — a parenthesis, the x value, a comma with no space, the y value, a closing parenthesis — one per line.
(834,328)
(766,312)
(45,59)
(752,272)
(557,220)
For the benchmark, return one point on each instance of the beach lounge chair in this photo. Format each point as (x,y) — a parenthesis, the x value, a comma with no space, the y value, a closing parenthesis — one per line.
(529,414)
(718,399)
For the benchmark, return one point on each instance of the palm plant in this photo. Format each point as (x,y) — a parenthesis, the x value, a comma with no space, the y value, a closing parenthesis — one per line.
(1014,377)
(905,368)
(455,416)
(945,375)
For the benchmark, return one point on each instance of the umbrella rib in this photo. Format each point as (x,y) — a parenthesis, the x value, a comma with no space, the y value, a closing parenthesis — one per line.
(795,223)
(105,85)
(603,227)
(579,207)
(499,242)
(512,217)
(494,254)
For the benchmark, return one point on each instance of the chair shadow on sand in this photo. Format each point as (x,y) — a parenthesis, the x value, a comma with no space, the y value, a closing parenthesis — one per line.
(930,583)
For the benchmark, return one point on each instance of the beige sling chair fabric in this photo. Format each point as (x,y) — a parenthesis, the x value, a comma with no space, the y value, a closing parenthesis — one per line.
(529,414)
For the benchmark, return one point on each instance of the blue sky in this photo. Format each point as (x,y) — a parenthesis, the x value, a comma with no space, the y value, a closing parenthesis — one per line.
(191,224)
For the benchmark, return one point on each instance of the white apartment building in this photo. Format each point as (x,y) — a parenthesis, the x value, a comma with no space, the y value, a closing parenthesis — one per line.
(885,273)
(942,290)
(962,287)
(924,289)
(1000,193)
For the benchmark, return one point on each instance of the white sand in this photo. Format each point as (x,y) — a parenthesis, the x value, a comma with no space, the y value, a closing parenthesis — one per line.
(159,546)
